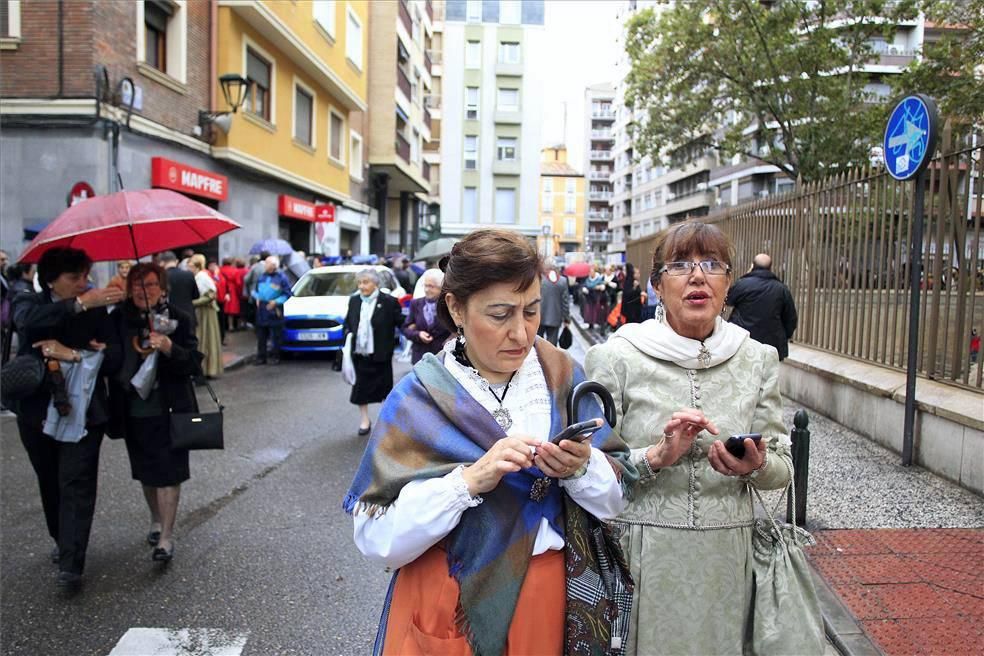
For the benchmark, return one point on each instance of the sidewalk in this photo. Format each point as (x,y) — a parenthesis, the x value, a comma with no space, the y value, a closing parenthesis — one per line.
(899,559)
(239,349)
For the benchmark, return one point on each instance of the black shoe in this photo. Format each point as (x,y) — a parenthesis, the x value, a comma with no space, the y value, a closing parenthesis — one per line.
(162,555)
(260,361)
(366,430)
(69,581)
(55,555)
(153,538)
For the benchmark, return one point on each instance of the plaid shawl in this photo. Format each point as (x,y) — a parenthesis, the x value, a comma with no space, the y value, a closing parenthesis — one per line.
(429,425)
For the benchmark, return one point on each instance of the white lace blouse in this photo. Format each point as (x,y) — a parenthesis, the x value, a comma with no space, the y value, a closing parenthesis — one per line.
(426,511)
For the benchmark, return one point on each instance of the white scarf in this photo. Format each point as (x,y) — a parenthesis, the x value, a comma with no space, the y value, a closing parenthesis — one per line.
(205,283)
(363,337)
(657,339)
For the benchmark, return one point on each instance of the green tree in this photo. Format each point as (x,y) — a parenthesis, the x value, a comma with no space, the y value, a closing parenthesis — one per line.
(776,81)
(952,68)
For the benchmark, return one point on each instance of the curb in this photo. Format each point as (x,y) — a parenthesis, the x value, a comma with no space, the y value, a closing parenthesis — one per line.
(240,361)
(839,624)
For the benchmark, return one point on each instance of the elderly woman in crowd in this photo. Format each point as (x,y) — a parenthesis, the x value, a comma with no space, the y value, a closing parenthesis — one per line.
(460,488)
(122,271)
(68,325)
(423,328)
(682,383)
(148,325)
(207,317)
(373,319)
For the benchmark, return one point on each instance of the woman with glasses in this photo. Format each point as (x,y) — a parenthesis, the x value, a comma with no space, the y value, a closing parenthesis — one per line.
(683,382)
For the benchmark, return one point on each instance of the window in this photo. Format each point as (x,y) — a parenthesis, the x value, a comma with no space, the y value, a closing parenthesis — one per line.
(10,20)
(415,88)
(505,205)
(471,103)
(508,53)
(506,149)
(570,197)
(508,100)
(353,39)
(469,209)
(415,147)
(336,125)
(355,155)
(324,15)
(415,31)
(510,12)
(570,227)
(156,16)
(258,72)
(473,11)
(546,200)
(473,54)
(471,152)
(303,115)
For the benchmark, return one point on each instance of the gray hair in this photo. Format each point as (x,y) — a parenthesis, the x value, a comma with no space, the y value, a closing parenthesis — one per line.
(368,273)
(274,259)
(435,275)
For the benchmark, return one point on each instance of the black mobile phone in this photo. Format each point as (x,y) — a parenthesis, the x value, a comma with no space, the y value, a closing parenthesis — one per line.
(579,431)
(736,443)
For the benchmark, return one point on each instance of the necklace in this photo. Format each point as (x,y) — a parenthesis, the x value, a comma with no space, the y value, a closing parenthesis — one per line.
(501,415)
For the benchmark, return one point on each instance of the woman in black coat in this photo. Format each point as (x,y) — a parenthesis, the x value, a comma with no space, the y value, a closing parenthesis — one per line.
(65,323)
(148,325)
(372,343)
(631,296)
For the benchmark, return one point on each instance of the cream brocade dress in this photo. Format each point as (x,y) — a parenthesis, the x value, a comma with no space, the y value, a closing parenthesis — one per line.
(687,531)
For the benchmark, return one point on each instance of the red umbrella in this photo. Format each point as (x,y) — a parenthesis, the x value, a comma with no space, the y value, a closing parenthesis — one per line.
(577,269)
(130,225)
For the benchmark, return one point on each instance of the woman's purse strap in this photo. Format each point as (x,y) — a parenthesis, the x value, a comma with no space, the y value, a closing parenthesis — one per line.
(791,490)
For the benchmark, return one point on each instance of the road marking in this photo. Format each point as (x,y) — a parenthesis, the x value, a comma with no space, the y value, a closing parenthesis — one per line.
(180,642)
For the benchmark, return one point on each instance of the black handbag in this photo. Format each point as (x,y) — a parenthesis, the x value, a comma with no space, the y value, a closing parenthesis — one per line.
(566,338)
(21,377)
(198,430)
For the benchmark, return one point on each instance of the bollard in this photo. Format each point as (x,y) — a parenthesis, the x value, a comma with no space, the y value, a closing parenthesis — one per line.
(800,436)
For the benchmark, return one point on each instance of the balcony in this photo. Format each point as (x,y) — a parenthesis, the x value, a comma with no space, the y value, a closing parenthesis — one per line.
(599,195)
(402,81)
(405,17)
(403,147)
(508,117)
(596,215)
(603,176)
(427,61)
(606,115)
(506,167)
(603,155)
(426,170)
(602,237)
(606,135)
(688,202)
(427,118)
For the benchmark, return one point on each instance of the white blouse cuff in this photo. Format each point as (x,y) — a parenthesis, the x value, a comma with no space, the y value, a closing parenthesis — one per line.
(597,476)
(460,489)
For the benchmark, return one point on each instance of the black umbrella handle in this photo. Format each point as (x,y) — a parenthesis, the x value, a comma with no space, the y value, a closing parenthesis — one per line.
(590,387)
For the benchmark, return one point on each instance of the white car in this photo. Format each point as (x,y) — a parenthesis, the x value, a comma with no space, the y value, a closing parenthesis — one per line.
(314,315)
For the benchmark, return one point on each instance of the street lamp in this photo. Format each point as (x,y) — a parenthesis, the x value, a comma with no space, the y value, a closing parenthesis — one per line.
(234,90)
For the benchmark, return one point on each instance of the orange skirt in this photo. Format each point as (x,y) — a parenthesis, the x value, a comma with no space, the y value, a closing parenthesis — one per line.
(421,619)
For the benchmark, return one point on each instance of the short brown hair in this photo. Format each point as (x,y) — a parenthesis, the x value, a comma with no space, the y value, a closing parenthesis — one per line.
(140,270)
(484,258)
(684,239)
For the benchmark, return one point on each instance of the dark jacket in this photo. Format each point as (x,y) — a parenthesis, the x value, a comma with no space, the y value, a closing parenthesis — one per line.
(555,304)
(386,320)
(39,317)
(181,291)
(416,323)
(174,372)
(764,307)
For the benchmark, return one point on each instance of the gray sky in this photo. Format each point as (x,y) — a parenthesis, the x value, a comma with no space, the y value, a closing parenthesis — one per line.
(583,42)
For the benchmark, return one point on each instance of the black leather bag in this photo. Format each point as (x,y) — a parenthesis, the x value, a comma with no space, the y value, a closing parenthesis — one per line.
(566,338)
(193,431)
(21,377)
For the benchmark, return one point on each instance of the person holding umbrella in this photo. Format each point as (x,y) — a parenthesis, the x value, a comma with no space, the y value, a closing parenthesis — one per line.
(272,291)
(66,324)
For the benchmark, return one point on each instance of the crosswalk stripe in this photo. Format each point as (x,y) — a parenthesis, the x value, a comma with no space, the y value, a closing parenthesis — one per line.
(140,641)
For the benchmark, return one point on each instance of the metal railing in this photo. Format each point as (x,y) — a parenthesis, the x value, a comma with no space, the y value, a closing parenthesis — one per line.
(842,247)
(599,175)
(602,154)
(599,195)
(402,147)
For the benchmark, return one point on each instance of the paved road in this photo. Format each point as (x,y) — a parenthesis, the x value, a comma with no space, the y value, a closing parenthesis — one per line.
(264,554)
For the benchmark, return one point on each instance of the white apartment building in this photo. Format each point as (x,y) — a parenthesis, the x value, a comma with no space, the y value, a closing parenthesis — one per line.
(599,164)
(491,115)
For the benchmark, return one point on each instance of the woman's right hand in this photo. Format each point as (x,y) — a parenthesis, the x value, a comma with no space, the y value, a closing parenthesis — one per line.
(101,297)
(678,436)
(510,454)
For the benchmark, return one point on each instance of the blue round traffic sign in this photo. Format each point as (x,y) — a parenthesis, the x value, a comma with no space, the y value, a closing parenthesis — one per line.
(910,136)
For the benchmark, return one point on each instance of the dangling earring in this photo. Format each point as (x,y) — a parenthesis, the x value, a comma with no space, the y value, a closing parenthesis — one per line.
(659,313)
(459,347)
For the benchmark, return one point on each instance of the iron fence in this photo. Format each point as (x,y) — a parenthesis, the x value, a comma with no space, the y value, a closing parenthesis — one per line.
(841,245)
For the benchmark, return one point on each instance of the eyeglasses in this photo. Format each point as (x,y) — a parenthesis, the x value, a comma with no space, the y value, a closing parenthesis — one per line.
(710,267)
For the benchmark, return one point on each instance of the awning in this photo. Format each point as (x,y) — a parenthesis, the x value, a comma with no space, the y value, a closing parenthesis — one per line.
(402,114)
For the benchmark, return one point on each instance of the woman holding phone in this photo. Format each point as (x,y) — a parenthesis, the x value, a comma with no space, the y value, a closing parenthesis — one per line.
(460,489)
(682,383)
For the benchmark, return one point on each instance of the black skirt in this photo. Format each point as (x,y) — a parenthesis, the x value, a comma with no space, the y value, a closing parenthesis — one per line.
(373,380)
(152,462)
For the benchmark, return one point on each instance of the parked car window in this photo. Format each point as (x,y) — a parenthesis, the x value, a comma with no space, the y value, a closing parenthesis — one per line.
(327,284)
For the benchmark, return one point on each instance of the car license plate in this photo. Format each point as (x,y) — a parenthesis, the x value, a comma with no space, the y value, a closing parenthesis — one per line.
(312,337)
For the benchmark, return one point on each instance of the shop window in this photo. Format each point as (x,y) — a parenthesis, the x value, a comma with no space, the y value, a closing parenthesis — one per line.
(355,156)
(303,115)
(505,205)
(259,73)
(336,149)
(505,148)
(353,38)
(469,210)
(324,15)
(471,103)
(471,152)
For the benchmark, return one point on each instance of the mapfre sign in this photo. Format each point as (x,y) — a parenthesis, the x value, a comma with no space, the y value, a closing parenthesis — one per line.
(295,208)
(168,174)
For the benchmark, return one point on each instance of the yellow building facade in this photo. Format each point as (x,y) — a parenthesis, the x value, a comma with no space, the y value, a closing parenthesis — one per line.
(561,204)
(303,118)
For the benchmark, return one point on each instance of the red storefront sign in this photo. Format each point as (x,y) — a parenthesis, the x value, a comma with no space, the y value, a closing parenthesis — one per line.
(295,208)
(169,174)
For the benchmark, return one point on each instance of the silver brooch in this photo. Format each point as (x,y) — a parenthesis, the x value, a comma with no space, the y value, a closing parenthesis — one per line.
(539,489)
(704,356)
(503,418)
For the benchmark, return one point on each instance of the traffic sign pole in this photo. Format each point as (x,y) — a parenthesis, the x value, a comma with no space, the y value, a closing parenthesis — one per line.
(915,279)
